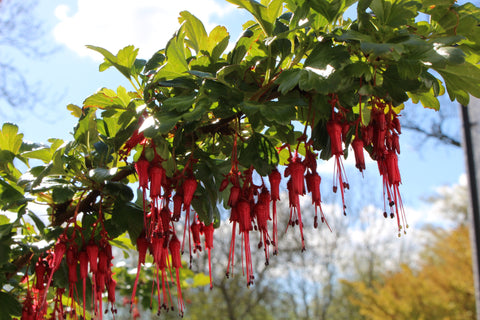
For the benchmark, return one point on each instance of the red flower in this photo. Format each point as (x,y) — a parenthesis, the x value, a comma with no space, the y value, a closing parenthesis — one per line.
(245,221)
(157,174)
(92,252)
(142,246)
(234,195)
(295,213)
(262,214)
(189,187)
(208,232)
(174,247)
(296,169)
(196,229)
(275,178)
(72,261)
(313,186)
(141,166)
(177,206)
(357,145)
(40,272)
(334,130)
(83,259)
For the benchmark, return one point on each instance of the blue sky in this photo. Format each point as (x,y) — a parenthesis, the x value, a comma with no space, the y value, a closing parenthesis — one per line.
(70,74)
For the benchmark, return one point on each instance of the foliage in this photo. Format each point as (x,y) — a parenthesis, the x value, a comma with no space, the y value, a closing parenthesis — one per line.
(209,119)
(441,287)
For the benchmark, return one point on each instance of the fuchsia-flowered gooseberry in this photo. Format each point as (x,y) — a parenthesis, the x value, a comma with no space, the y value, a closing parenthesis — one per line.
(334,129)
(207,230)
(174,246)
(169,195)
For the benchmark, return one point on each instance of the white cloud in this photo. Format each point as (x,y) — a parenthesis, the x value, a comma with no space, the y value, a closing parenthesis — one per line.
(114,24)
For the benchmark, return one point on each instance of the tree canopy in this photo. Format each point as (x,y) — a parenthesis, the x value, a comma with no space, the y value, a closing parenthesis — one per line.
(204,126)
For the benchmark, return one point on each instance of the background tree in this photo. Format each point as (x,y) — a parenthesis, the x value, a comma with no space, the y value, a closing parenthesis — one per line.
(21,35)
(439,286)
(201,127)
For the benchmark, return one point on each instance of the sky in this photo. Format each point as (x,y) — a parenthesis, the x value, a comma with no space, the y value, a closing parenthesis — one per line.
(70,73)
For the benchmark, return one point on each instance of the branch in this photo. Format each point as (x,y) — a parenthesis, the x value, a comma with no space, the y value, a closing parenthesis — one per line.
(436,134)
(65,211)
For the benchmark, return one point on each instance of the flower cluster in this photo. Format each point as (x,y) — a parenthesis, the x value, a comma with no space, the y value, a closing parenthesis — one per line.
(79,258)
(164,200)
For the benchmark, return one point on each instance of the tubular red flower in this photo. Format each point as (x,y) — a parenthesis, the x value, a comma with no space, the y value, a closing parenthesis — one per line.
(208,232)
(340,179)
(174,246)
(295,212)
(72,262)
(357,145)
(275,177)
(334,129)
(157,174)
(40,272)
(189,187)
(396,143)
(83,259)
(141,166)
(196,229)
(166,217)
(245,221)
(262,214)
(58,252)
(102,262)
(142,246)
(296,169)
(177,206)
(396,124)
(92,251)
(234,196)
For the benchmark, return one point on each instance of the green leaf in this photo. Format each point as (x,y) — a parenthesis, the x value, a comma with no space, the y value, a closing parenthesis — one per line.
(128,216)
(384,50)
(331,10)
(242,46)
(9,305)
(10,197)
(118,190)
(124,60)
(38,222)
(218,41)
(179,103)
(86,129)
(395,13)
(428,99)
(6,156)
(194,31)
(461,80)
(107,98)
(167,121)
(10,139)
(155,61)
(76,111)
(265,15)
(260,153)
(288,80)
(325,53)
(44,153)
(62,194)
(176,65)
(101,175)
